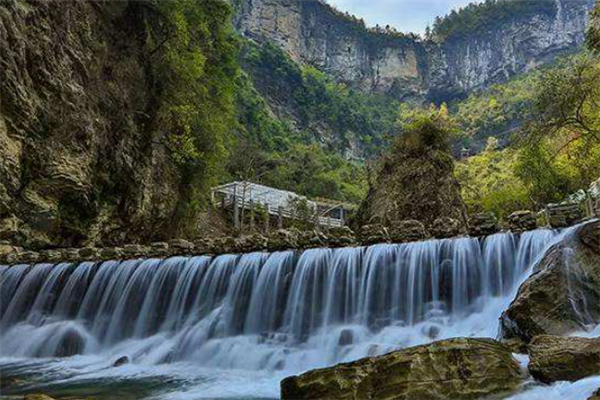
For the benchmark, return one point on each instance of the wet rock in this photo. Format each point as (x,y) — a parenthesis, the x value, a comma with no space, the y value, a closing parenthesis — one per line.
(69,344)
(462,368)
(88,253)
(51,256)
(408,231)
(341,237)
(69,255)
(6,249)
(483,224)
(181,246)
(554,358)
(563,293)
(29,257)
(9,227)
(346,338)
(121,361)
(283,239)
(159,249)
(250,243)
(563,215)
(204,245)
(134,250)
(595,395)
(111,253)
(374,233)
(312,239)
(38,397)
(446,227)
(522,221)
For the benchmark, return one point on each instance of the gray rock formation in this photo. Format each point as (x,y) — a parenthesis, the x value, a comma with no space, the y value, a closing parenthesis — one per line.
(405,65)
(555,358)
(79,160)
(449,369)
(563,294)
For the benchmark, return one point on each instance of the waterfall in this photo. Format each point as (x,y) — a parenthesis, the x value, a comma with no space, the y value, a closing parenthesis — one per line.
(284,311)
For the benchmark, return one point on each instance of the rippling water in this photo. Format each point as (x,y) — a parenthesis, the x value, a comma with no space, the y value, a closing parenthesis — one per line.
(234,326)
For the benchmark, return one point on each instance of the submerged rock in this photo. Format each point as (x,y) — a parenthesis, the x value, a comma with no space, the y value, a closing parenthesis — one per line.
(461,368)
(38,397)
(121,361)
(563,293)
(555,358)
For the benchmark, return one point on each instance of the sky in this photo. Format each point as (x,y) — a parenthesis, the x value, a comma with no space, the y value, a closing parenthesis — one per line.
(405,15)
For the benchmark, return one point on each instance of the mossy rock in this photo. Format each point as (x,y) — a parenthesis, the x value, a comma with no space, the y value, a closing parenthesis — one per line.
(461,368)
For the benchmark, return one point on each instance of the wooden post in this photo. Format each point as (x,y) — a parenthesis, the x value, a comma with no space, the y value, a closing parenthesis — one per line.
(280,217)
(251,215)
(342,222)
(236,210)
(267,217)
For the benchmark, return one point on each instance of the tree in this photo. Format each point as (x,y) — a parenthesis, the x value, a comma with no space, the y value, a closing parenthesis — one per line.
(560,148)
(593,34)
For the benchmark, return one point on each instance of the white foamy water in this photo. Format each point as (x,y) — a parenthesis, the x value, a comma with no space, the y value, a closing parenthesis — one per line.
(233,326)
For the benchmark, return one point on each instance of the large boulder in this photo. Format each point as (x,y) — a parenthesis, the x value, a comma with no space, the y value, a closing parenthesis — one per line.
(408,231)
(449,369)
(554,358)
(563,293)
(417,184)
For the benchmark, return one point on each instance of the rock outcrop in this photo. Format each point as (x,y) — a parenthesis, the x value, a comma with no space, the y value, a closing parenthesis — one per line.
(413,186)
(449,369)
(554,358)
(79,159)
(563,293)
(407,66)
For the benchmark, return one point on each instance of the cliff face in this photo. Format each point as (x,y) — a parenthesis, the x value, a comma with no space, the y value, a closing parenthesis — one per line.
(79,160)
(405,66)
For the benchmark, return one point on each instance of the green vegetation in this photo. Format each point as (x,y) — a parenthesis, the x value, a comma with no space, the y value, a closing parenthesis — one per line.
(195,59)
(489,181)
(497,112)
(554,154)
(593,34)
(476,16)
(320,102)
(280,149)
(561,145)
(424,129)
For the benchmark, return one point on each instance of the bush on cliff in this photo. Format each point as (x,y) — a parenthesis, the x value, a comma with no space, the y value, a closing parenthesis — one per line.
(415,180)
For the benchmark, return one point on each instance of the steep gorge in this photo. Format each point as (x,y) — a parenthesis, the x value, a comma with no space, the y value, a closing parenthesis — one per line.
(407,66)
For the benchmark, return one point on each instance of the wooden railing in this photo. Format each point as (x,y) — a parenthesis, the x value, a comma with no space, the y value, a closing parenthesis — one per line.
(280,212)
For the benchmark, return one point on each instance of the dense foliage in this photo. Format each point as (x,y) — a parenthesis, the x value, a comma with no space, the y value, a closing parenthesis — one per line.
(496,112)
(195,59)
(278,146)
(593,34)
(554,154)
(489,181)
(561,146)
(318,101)
(476,16)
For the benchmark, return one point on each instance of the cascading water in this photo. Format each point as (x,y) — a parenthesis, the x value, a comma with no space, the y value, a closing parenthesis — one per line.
(232,326)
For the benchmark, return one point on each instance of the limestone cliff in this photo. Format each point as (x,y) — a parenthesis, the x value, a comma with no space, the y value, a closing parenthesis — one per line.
(405,65)
(79,159)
